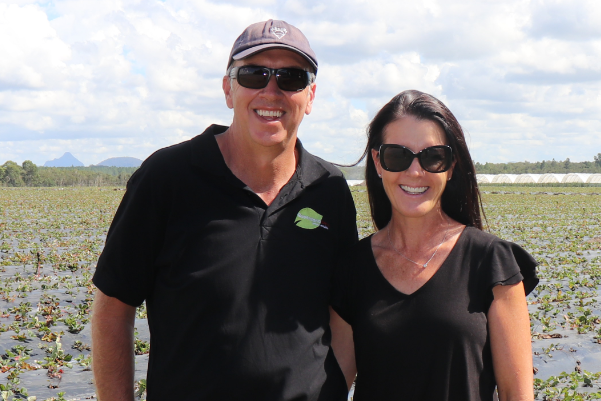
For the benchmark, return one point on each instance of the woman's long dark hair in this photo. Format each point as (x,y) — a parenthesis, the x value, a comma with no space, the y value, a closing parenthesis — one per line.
(461,197)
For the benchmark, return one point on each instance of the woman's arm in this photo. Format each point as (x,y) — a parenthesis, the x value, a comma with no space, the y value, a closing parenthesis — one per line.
(343,346)
(509,329)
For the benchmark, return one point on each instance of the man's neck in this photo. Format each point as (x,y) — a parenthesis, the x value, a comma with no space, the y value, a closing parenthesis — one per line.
(264,170)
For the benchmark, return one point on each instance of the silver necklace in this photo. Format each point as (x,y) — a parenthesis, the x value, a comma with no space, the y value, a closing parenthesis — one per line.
(431,257)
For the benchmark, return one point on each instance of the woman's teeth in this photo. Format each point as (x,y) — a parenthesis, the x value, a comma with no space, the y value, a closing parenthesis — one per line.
(270,113)
(414,190)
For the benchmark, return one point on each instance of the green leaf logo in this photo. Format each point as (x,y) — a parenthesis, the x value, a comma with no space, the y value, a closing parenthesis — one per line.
(308,218)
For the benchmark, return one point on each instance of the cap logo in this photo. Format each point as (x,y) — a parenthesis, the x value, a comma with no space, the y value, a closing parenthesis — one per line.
(278,32)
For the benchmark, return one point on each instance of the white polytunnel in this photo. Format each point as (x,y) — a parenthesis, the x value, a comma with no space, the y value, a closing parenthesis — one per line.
(527,178)
(549,179)
(484,178)
(594,179)
(576,177)
(504,179)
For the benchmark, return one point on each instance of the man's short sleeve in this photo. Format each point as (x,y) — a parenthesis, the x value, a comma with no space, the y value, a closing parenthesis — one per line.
(125,268)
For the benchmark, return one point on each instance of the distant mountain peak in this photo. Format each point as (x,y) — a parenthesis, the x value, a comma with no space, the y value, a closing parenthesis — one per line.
(66,160)
(121,162)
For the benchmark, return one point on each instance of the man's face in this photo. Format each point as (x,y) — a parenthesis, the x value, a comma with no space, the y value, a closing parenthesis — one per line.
(269,116)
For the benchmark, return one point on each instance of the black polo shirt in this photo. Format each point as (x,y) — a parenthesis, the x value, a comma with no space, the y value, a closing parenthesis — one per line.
(237,291)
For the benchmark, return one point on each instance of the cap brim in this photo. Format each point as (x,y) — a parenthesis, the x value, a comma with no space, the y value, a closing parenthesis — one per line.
(256,49)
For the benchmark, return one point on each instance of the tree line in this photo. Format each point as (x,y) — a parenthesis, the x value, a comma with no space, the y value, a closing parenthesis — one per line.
(29,175)
(546,166)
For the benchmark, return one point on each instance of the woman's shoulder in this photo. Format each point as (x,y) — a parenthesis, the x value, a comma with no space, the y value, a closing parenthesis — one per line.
(478,239)
(477,235)
(501,259)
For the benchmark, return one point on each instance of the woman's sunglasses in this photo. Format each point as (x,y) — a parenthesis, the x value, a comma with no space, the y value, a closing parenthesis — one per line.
(257,77)
(434,159)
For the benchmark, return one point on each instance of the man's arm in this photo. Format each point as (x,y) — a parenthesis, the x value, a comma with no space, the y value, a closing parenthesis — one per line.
(343,346)
(112,348)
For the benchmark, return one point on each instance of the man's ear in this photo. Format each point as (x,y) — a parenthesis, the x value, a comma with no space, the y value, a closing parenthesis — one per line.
(227,90)
(311,95)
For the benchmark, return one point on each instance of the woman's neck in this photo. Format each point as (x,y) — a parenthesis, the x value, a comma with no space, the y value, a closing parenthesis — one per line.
(414,233)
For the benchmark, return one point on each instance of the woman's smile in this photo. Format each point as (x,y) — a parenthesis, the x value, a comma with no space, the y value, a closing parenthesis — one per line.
(413,190)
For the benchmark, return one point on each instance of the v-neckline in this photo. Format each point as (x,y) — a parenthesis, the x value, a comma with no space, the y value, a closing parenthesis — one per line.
(436,273)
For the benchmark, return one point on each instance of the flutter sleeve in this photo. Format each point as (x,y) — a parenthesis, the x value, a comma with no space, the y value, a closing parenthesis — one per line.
(507,263)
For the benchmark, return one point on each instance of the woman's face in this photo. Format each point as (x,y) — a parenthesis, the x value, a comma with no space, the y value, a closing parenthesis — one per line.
(413,193)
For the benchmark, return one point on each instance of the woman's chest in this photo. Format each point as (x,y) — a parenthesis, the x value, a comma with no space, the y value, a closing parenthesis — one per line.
(450,306)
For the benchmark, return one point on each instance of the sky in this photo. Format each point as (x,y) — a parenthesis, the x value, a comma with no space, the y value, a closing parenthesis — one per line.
(108,78)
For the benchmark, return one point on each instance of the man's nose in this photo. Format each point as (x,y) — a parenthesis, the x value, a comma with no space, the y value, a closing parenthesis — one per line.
(272,85)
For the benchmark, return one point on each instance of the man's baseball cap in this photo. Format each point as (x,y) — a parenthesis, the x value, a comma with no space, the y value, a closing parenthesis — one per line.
(272,34)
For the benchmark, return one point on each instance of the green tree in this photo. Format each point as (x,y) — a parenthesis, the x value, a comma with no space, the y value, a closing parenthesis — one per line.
(30,173)
(13,174)
(567,163)
(598,159)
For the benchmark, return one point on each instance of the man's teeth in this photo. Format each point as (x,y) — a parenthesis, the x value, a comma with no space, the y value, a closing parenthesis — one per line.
(270,113)
(414,190)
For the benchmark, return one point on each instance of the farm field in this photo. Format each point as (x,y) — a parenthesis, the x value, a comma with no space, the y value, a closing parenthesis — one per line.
(50,239)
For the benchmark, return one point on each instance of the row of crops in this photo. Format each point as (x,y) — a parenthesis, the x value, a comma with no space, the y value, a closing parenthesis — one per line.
(50,240)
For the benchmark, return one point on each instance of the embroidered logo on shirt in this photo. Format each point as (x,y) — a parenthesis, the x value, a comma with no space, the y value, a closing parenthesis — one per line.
(278,32)
(309,219)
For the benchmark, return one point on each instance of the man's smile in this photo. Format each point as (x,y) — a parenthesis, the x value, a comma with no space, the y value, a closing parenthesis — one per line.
(269,114)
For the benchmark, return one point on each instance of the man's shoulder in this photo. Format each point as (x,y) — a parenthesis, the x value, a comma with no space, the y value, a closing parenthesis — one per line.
(168,156)
(174,164)
(184,153)
(328,166)
(317,170)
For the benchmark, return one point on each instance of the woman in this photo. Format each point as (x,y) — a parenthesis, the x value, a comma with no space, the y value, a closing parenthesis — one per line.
(437,306)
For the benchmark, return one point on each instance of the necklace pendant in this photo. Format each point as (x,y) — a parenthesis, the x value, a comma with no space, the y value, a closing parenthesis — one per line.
(431,257)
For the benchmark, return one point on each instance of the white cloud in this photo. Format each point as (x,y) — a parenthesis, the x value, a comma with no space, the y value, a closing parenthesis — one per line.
(102,78)
(32,54)
(565,19)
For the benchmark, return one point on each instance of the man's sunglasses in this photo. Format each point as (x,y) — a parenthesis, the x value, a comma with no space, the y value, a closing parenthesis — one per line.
(434,159)
(257,77)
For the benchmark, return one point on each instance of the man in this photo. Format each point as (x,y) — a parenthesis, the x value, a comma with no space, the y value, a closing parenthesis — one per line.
(230,238)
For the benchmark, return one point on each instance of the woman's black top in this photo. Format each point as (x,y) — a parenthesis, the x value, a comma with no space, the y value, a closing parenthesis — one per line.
(433,344)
